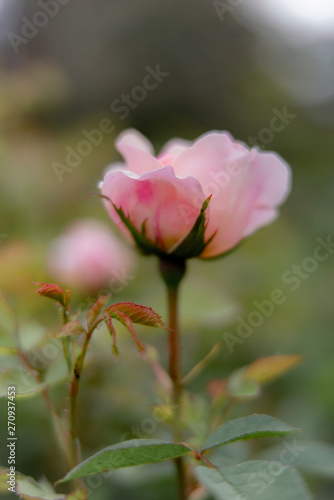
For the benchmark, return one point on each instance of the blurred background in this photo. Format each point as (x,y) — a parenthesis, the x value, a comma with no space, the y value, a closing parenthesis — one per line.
(70,67)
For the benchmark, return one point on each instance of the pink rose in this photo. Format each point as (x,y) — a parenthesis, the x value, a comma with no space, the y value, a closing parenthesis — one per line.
(158,199)
(90,257)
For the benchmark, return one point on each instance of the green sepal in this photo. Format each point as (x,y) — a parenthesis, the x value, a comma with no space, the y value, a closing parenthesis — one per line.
(194,243)
(139,236)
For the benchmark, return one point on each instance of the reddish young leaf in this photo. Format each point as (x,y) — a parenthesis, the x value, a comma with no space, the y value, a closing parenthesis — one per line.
(95,310)
(112,332)
(126,321)
(54,292)
(247,381)
(268,368)
(126,313)
(138,314)
(71,328)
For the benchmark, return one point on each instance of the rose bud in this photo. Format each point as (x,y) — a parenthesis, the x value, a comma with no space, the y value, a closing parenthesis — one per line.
(88,256)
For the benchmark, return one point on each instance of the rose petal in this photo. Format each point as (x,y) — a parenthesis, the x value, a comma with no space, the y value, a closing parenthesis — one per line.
(272,176)
(137,152)
(113,166)
(208,157)
(132,137)
(168,204)
(220,165)
(171,150)
(251,200)
(274,184)
(260,217)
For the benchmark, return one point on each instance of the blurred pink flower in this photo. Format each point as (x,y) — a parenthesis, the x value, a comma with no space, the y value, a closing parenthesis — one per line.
(90,257)
(166,193)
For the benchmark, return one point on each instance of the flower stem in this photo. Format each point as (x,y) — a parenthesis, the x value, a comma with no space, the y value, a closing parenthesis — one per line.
(77,370)
(175,369)
(66,341)
(172,273)
(74,391)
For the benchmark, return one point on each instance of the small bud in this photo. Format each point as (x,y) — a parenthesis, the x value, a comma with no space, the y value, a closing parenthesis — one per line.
(54,292)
